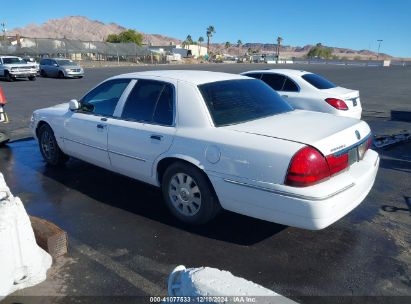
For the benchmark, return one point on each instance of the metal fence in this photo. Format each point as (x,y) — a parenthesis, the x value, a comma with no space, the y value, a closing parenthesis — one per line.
(76,49)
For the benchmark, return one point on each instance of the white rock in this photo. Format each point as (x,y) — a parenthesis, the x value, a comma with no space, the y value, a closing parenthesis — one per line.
(212,282)
(22,262)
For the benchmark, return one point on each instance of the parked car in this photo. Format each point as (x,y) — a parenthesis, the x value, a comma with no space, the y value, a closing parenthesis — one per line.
(216,140)
(62,68)
(308,91)
(4,137)
(32,61)
(12,67)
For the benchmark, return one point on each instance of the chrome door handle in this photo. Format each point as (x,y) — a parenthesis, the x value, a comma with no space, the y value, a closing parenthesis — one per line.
(156,137)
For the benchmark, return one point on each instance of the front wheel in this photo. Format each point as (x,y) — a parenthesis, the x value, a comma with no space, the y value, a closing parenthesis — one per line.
(189,195)
(9,78)
(49,148)
(32,78)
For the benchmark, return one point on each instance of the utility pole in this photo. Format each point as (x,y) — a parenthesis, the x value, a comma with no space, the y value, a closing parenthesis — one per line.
(3,25)
(379,46)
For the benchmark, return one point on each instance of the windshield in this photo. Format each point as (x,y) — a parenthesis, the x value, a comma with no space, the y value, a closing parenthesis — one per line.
(64,62)
(318,81)
(13,60)
(236,101)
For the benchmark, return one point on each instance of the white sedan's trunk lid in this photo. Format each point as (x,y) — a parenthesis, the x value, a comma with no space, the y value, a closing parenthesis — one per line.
(327,133)
(351,97)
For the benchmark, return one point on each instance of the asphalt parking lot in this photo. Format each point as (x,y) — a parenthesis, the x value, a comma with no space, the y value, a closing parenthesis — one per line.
(123,242)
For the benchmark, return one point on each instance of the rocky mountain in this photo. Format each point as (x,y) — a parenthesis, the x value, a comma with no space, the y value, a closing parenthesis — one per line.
(296,51)
(82,28)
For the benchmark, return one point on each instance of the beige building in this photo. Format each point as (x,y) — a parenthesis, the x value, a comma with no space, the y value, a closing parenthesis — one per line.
(196,50)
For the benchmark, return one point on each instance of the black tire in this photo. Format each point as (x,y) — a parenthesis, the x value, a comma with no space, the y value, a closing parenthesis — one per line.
(4,138)
(184,200)
(43,73)
(49,148)
(61,75)
(9,78)
(32,78)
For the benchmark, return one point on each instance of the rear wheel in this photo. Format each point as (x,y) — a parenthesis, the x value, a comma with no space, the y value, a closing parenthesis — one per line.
(32,78)
(189,195)
(49,148)
(43,73)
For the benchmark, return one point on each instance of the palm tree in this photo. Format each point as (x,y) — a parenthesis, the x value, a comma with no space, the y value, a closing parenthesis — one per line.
(227,45)
(210,32)
(188,41)
(279,40)
(239,44)
(200,41)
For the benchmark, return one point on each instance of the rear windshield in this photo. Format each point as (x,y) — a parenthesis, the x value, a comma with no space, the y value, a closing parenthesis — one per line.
(235,101)
(318,81)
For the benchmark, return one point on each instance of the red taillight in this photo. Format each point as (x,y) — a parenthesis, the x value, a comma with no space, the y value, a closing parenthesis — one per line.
(370,142)
(337,103)
(309,167)
(337,163)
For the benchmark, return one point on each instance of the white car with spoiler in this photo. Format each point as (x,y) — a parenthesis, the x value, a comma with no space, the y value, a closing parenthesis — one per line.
(215,140)
(308,91)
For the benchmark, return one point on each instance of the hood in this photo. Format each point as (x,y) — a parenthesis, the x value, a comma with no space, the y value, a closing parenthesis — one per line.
(326,132)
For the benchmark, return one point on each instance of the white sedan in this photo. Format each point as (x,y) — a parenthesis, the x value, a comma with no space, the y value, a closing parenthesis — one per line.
(308,91)
(216,140)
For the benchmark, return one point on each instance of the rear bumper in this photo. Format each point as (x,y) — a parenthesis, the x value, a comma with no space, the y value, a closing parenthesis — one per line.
(313,208)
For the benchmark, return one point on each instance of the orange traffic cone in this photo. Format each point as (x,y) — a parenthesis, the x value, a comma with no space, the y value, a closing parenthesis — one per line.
(3,100)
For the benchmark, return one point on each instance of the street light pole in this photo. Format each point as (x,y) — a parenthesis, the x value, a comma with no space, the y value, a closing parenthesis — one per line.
(379,45)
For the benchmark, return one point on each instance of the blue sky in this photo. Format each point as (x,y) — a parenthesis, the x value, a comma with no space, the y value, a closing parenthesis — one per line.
(354,24)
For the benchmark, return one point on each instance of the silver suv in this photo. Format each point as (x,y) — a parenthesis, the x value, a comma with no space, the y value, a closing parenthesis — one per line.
(59,67)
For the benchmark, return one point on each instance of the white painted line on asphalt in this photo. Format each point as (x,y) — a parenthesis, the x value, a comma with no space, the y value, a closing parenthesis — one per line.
(135,279)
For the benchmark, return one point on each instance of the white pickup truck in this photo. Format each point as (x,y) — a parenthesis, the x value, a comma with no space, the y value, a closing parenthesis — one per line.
(12,67)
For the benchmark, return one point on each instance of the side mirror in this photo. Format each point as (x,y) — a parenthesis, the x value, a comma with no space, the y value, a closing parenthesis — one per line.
(55,64)
(74,105)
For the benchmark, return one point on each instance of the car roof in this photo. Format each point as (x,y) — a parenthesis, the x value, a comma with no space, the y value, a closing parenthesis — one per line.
(190,76)
(288,72)
(10,57)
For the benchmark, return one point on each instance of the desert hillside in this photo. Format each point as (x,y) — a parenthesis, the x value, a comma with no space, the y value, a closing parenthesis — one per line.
(82,28)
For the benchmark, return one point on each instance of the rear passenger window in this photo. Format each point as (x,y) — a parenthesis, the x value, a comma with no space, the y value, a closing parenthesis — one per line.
(254,75)
(151,102)
(290,86)
(274,80)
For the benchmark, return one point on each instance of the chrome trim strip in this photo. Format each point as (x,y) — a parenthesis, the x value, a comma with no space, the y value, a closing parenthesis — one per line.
(345,150)
(87,145)
(289,194)
(126,155)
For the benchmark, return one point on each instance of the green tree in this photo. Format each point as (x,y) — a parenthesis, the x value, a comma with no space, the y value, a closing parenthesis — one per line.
(227,45)
(126,36)
(210,32)
(320,51)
